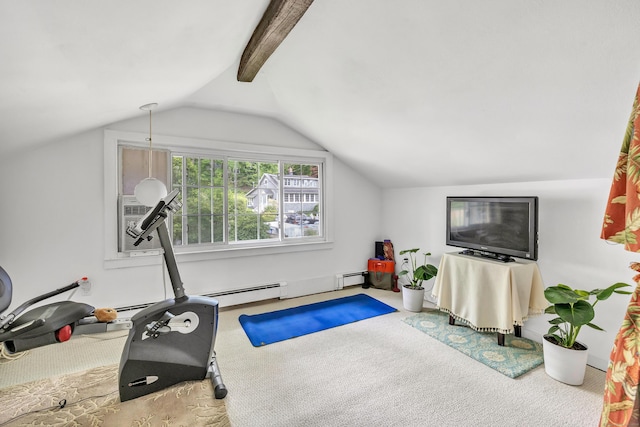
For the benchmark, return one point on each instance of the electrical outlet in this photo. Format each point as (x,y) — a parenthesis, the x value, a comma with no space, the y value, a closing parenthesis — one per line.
(85,287)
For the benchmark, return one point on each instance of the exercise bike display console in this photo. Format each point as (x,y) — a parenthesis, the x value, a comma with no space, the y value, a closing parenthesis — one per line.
(173,340)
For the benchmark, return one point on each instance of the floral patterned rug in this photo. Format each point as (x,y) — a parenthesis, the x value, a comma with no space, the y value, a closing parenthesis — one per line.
(516,357)
(91,398)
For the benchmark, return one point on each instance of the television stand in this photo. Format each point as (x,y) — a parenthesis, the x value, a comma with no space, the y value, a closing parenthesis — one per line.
(489,296)
(490,255)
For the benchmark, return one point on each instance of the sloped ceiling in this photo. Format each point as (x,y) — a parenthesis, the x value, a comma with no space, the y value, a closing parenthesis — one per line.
(410,93)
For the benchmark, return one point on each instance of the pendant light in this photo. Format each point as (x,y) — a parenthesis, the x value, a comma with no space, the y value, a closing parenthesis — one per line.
(150,190)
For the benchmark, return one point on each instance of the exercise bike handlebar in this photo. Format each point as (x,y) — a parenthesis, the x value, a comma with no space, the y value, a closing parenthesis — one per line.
(154,220)
(8,320)
(152,215)
(142,229)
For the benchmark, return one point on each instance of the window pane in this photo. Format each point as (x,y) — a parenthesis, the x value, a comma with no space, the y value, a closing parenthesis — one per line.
(218,201)
(218,228)
(192,202)
(177,230)
(246,227)
(176,170)
(241,174)
(269,226)
(240,226)
(201,199)
(218,170)
(253,189)
(206,173)
(301,199)
(134,167)
(292,230)
(206,202)
(206,228)
(192,169)
(311,230)
(192,230)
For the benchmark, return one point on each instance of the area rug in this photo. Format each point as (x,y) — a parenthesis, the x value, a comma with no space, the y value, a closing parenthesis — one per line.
(517,356)
(91,398)
(275,326)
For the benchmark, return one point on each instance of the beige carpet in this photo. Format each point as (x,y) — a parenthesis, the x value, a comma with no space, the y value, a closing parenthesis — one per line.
(378,371)
(76,355)
(383,372)
(91,399)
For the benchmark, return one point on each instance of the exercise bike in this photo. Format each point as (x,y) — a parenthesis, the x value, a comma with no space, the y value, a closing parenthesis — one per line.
(169,342)
(173,340)
(44,325)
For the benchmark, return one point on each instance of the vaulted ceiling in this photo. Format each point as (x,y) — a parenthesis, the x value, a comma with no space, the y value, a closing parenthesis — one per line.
(410,93)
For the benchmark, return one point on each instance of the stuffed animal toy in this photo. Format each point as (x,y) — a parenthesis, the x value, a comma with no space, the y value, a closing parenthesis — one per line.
(105,314)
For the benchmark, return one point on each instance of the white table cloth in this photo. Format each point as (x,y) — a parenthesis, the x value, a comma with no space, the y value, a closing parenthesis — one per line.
(490,296)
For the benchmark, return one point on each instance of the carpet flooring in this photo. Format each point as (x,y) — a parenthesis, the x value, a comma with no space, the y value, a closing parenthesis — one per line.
(378,372)
(80,353)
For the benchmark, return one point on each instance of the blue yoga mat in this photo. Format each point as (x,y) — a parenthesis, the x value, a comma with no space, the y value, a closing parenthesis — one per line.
(267,328)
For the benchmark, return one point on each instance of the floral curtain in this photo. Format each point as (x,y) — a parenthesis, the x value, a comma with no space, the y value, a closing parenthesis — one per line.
(622,225)
(622,216)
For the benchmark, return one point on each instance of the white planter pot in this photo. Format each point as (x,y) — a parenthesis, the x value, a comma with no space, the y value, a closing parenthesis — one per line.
(412,299)
(564,364)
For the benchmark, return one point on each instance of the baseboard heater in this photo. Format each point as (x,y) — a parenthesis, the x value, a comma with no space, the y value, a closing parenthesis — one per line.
(233,296)
(350,279)
(252,294)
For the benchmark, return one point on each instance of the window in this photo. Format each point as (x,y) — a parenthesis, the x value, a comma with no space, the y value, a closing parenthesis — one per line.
(231,199)
(201,184)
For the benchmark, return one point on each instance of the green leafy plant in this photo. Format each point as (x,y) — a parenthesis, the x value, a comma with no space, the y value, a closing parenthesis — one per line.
(417,273)
(574,311)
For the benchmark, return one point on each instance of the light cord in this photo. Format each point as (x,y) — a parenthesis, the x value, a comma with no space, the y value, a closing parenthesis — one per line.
(150,147)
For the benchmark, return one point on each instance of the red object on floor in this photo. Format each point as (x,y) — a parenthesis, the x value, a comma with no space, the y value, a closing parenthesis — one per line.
(63,334)
(395,284)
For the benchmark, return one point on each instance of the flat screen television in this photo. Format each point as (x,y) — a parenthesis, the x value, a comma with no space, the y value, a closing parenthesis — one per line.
(495,227)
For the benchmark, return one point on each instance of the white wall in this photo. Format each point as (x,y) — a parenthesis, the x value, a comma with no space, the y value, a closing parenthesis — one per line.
(570,250)
(52,231)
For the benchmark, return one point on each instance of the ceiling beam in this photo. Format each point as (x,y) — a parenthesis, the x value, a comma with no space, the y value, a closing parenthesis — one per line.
(276,23)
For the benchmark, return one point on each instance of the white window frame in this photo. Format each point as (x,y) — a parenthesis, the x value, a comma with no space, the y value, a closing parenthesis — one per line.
(115,259)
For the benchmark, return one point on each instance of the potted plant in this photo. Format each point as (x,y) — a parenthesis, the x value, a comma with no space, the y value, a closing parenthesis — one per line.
(565,358)
(414,274)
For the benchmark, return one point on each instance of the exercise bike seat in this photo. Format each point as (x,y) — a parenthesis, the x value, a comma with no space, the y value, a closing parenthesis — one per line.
(6,290)
(43,325)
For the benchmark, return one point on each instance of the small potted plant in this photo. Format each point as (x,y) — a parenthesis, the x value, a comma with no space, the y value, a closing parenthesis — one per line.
(565,359)
(414,274)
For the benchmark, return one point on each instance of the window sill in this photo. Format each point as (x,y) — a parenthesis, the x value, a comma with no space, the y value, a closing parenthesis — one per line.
(154,257)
